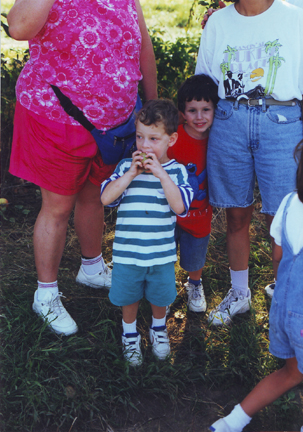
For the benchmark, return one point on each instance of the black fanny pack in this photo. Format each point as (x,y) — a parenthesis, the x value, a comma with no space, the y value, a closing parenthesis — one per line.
(114,144)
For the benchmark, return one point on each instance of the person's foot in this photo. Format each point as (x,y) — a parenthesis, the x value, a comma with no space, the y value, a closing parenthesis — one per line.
(269,289)
(234,303)
(52,310)
(160,342)
(102,279)
(196,298)
(220,426)
(131,348)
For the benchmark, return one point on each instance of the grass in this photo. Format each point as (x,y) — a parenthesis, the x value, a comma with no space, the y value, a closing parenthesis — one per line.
(51,383)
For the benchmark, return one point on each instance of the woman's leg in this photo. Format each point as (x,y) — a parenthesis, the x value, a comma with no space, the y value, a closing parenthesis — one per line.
(50,233)
(238,241)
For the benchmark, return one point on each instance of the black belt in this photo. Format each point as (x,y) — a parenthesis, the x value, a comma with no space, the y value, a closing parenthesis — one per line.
(268,101)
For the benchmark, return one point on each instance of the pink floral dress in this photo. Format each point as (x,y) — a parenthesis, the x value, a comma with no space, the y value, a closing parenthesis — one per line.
(90,49)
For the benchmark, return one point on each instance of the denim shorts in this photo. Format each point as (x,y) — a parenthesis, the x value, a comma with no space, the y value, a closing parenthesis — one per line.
(192,249)
(130,283)
(286,338)
(246,143)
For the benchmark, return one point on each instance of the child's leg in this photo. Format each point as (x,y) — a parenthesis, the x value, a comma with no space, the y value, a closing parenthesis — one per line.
(129,312)
(272,387)
(195,275)
(130,337)
(196,298)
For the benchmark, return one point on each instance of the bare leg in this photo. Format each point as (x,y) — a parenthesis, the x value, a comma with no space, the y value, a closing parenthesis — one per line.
(50,233)
(196,275)
(275,263)
(272,387)
(238,242)
(159,312)
(89,220)
(129,312)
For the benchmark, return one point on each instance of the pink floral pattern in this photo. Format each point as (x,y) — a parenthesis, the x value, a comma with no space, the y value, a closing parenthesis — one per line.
(91,50)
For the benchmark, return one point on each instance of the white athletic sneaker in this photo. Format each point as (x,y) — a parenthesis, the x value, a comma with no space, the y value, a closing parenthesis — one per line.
(196,298)
(220,426)
(269,289)
(98,280)
(131,348)
(52,310)
(233,304)
(160,342)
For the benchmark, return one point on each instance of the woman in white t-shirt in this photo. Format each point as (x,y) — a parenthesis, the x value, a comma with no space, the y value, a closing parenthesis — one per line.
(253,50)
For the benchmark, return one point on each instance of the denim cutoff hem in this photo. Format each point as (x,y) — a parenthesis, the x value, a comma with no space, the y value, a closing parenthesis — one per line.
(246,143)
(192,249)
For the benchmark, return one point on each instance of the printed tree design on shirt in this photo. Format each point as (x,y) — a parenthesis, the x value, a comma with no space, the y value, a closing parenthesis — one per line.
(274,63)
(231,55)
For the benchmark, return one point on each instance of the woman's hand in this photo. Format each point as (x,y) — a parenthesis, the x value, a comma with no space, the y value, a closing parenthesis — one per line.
(27,17)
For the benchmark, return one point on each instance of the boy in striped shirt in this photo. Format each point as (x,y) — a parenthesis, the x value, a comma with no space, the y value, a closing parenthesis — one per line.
(150,190)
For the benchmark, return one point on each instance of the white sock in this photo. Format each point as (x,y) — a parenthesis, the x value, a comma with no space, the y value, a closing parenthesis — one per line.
(237,419)
(93,265)
(239,281)
(45,287)
(129,328)
(156,322)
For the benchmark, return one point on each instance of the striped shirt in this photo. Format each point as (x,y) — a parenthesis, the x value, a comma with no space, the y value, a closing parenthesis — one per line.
(145,222)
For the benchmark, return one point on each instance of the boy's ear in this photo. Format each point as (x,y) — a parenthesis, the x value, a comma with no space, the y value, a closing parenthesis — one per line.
(172,139)
(181,118)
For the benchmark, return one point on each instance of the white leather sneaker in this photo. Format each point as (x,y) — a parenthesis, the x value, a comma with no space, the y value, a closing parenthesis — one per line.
(98,280)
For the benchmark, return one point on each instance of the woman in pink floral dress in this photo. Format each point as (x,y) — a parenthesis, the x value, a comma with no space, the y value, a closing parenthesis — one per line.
(96,52)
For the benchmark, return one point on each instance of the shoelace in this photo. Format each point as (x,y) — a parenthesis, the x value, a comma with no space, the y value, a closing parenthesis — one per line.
(196,292)
(225,303)
(56,305)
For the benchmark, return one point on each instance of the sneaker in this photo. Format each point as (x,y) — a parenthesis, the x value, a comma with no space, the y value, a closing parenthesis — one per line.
(52,310)
(196,298)
(98,280)
(269,289)
(131,348)
(234,303)
(160,342)
(220,426)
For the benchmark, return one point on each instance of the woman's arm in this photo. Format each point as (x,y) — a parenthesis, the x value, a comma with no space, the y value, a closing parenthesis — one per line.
(147,59)
(27,17)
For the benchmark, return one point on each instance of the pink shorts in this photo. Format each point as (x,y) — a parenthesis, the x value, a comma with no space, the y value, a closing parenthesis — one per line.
(55,156)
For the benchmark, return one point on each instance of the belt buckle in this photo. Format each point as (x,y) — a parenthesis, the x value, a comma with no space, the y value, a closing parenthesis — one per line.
(249,103)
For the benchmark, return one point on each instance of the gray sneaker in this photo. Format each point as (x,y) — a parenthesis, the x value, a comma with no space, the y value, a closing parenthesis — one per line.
(269,289)
(233,304)
(196,298)
(131,348)
(52,310)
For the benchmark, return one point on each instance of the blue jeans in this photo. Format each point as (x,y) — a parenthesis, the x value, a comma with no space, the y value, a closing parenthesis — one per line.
(246,143)
(192,250)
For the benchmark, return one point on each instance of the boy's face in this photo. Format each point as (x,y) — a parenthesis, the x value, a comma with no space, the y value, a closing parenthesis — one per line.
(198,116)
(154,139)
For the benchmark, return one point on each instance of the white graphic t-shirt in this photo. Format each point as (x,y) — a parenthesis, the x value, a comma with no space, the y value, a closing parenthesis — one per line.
(254,55)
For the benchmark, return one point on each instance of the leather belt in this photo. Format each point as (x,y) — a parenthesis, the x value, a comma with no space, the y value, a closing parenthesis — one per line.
(268,101)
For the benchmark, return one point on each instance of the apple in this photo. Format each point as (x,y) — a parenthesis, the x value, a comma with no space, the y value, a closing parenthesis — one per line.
(3,202)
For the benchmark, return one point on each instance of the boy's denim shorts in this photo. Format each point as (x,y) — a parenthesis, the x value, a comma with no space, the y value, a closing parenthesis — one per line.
(192,250)
(246,143)
(130,283)
(286,338)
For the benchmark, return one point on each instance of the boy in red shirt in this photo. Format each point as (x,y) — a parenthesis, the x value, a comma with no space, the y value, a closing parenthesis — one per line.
(197,99)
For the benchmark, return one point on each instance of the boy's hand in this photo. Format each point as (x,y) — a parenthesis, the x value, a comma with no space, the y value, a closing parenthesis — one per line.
(137,167)
(151,164)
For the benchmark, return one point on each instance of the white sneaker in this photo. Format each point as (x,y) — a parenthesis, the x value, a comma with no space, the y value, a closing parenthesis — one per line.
(234,303)
(52,310)
(220,426)
(98,280)
(196,298)
(269,289)
(160,342)
(131,348)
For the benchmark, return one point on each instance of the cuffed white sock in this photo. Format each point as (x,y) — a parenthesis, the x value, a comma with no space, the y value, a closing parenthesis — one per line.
(45,287)
(158,322)
(129,328)
(237,419)
(239,281)
(93,265)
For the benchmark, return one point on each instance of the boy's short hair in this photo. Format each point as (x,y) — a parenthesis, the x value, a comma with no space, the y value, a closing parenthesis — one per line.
(159,111)
(197,87)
